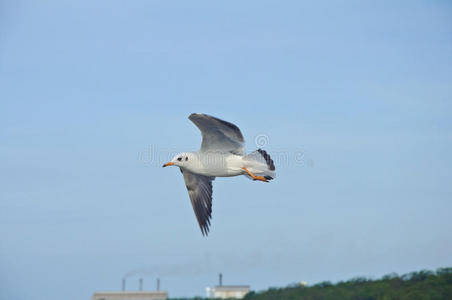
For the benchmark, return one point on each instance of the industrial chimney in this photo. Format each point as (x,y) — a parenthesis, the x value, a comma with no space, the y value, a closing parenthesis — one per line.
(123,284)
(158,284)
(220,279)
(141,284)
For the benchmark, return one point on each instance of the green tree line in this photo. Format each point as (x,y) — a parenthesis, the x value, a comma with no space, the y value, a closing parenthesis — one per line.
(422,285)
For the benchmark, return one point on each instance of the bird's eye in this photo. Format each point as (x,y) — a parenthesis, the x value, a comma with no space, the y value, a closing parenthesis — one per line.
(179,158)
(186,158)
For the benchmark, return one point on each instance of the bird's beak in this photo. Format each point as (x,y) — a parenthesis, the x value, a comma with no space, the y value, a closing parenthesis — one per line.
(168,164)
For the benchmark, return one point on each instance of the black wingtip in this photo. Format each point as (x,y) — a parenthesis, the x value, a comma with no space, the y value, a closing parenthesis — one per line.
(267,158)
(195,114)
(190,117)
(205,231)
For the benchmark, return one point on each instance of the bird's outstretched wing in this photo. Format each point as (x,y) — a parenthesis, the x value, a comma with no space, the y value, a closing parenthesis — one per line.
(200,191)
(218,135)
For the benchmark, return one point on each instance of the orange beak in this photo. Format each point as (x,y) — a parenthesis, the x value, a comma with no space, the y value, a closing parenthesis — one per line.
(168,164)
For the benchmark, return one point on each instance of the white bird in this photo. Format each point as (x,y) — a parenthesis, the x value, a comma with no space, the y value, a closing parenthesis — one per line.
(221,155)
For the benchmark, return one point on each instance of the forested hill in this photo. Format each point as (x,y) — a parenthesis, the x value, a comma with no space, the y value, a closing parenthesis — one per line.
(425,285)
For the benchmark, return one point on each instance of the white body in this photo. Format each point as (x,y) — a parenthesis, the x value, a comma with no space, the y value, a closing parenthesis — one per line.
(218,164)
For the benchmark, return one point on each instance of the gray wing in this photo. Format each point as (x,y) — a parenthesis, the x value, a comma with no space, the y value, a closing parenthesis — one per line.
(200,191)
(218,135)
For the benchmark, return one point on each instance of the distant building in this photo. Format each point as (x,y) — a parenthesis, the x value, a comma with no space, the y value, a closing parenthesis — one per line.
(130,295)
(228,291)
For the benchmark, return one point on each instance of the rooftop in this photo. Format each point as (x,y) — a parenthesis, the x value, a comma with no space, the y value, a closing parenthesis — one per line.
(231,287)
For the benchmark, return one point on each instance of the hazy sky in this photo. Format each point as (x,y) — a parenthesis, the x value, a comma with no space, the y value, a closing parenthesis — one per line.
(353,100)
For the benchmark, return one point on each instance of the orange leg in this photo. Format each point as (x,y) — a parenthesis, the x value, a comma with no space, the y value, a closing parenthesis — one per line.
(254,177)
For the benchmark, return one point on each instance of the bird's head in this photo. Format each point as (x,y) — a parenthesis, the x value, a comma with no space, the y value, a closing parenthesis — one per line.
(180,160)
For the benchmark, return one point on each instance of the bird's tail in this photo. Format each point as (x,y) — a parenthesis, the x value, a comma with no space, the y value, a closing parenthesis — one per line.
(259,163)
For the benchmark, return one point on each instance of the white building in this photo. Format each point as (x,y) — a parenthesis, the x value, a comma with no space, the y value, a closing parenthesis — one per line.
(130,295)
(228,291)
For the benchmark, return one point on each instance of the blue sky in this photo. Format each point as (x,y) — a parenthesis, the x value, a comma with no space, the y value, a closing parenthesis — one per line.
(354,99)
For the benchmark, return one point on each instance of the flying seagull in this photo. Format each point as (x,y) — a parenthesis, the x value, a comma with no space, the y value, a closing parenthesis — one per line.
(221,155)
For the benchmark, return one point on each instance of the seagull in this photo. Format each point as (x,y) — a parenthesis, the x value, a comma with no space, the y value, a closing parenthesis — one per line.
(221,155)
